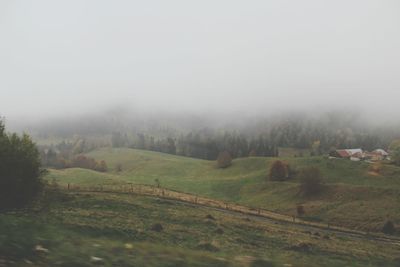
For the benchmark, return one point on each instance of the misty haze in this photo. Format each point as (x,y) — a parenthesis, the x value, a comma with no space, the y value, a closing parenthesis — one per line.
(199,133)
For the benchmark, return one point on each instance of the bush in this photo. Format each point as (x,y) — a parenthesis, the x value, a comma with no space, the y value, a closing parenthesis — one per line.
(224,159)
(102,166)
(300,210)
(278,171)
(253,153)
(376,167)
(157,227)
(311,181)
(52,193)
(208,246)
(388,228)
(85,162)
(291,171)
(118,167)
(396,156)
(20,170)
(262,263)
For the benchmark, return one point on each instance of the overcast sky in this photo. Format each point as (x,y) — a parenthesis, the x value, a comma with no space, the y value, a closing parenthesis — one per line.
(77,55)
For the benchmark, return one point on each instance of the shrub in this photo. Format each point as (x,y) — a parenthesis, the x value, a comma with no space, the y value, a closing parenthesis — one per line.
(20,170)
(52,193)
(85,162)
(208,246)
(388,228)
(300,210)
(224,159)
(118,167)
(310,181)
(376,167)
(302,247)
(253,153)
(396,156)
(278,171)
(219,231)
(291,171)
(157,227)
(262,263)
(210,217)
(102,167)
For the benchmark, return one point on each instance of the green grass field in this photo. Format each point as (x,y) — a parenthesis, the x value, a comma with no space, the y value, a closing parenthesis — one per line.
(353,197)
(82,229)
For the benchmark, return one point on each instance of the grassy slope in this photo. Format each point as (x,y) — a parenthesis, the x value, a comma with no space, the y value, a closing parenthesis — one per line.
(117,228)
(353,197)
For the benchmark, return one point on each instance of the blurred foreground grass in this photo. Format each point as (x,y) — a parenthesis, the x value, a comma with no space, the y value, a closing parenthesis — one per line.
(129,230)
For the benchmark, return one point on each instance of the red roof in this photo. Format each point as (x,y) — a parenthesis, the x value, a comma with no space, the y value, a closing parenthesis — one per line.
(343,153)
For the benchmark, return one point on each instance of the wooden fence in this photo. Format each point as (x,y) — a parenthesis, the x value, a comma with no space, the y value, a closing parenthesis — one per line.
(149,190)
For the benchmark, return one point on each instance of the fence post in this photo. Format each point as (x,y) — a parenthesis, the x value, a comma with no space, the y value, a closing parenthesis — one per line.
(68,186)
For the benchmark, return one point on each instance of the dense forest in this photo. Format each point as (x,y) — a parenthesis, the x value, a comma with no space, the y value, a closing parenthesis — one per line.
(61,141)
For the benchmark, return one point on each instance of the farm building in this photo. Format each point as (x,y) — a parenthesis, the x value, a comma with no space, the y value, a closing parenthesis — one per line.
(347,153)
(377,154)
(381,152)
(358,154)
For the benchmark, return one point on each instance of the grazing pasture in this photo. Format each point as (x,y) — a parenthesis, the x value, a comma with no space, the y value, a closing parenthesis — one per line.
(352,196)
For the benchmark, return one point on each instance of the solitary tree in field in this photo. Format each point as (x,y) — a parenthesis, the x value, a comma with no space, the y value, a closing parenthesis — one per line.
(316,147)
(278,171)
(224,159)
(118,167)
(253,153)
(389,228)
(395,151)
(394,144)
(310,181)
(20,170)
(300,210)
(396,156)
(102,166)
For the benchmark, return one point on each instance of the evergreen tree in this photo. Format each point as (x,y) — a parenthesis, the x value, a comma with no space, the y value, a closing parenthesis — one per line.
(20,170)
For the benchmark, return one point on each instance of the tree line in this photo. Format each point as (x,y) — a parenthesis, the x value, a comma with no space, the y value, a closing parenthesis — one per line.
(200,144)
(310,135)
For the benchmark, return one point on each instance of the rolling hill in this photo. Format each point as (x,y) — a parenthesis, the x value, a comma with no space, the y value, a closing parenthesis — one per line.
(354,196)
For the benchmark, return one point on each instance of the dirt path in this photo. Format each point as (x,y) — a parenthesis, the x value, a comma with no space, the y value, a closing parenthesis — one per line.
(235,210)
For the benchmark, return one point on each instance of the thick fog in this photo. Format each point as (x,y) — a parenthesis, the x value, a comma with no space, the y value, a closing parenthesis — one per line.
(74,57)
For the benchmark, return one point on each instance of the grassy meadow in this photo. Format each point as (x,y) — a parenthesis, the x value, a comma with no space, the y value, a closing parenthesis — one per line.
(92,229)
(354,196)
